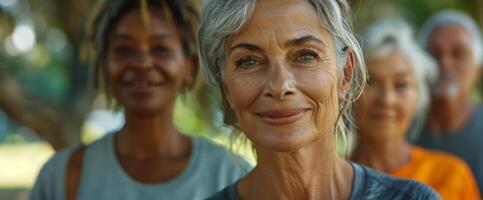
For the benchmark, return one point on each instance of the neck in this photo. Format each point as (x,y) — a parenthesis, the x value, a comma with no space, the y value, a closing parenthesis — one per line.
(449,115)
(311,172)
(151,136)
(382,154)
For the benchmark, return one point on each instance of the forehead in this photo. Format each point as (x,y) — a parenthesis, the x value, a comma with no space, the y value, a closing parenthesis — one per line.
(451,34)
(132,22)
(283,19)
(391,65)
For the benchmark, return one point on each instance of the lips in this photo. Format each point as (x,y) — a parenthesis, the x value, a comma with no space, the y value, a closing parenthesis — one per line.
(141,83)
(282,117)
(142,79)
(383,116)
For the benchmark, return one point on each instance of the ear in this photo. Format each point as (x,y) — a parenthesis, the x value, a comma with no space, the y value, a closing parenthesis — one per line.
(191,71)
(348,73)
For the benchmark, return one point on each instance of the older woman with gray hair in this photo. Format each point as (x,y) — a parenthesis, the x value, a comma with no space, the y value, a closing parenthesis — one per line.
(400,75)
(288,72)
(455,122)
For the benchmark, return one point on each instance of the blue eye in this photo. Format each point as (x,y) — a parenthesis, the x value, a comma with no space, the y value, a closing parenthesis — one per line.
(307,56)
(247,62)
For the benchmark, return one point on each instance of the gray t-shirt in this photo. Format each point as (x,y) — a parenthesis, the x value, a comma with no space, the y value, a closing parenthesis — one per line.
(210,168)
(367,185)
(466,143)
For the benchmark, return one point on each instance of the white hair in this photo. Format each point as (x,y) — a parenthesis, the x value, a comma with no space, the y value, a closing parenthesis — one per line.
(394,34)
(453,17)
(222,19)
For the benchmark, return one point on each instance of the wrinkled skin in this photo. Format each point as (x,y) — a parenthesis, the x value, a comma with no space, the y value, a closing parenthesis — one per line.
(282,81)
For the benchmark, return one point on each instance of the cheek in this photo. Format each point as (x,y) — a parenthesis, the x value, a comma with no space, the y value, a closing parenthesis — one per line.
(243,89)
(320,86)
(408,103)
(174,69)
(114,74)
(469,75)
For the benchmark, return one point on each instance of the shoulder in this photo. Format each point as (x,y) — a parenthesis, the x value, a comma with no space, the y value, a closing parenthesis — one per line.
(440,159)
(51,178)
(210,146)
(380,185)
(228,193)
(479,110)
(443,164)
(58,162)
(217,154)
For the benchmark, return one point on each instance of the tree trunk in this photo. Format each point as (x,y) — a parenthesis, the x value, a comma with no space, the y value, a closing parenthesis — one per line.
(59,124)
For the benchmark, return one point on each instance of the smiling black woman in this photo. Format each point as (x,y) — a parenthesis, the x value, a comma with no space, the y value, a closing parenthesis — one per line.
(146,56)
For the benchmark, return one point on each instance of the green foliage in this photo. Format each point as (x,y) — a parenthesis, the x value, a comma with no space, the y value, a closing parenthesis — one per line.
(417,11)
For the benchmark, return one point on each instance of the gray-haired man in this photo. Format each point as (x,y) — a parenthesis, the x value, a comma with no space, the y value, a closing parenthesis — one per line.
(455,122)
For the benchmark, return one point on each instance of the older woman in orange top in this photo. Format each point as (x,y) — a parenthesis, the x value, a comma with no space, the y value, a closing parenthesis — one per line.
(395,99)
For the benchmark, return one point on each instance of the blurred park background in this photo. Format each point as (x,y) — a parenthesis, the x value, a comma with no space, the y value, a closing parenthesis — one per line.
(46,97)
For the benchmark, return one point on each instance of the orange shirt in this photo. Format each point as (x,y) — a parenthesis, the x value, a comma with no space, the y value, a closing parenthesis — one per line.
(447,174)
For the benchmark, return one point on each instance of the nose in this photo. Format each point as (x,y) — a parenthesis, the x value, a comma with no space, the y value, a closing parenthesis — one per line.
(387,97)
(445,63)
(281,82)
(144,61)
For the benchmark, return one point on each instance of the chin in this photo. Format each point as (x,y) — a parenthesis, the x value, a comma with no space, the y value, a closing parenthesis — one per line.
(145,110)
(383,133)
(285,141)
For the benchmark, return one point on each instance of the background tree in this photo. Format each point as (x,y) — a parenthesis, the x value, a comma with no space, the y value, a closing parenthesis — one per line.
(48,89)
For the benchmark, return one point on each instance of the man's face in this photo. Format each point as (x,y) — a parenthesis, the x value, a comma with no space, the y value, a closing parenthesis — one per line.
(452,47)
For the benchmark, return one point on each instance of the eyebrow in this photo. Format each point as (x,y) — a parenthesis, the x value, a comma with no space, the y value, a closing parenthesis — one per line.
(293,42)
(247,46)
(303,40)
(163,36)
(122,36)
(403,74)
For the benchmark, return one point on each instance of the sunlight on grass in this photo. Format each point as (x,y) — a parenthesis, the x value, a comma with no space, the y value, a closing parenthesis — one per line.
(20,163)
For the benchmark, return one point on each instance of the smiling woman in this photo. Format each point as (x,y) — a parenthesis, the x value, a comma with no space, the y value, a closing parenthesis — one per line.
(397,93)
(145,57)
(288,71)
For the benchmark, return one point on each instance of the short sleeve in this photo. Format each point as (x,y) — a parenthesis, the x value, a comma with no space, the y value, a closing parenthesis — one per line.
(50,181)
(469,189)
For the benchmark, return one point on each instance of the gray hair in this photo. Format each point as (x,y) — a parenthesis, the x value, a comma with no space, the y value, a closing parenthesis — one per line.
(453,17)
(394,34)
(222,19)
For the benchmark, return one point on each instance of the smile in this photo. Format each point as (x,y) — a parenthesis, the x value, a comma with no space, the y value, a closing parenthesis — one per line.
(142,84)
(282,117)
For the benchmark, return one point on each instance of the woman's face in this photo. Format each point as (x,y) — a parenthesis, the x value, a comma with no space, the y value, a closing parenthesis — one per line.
(146,63)
(386,108)
(280,76)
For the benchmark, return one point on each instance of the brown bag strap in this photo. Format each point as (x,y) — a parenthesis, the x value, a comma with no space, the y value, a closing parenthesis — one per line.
(73,174)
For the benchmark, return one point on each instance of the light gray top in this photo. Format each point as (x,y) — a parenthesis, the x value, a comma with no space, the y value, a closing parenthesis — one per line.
(209,169)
